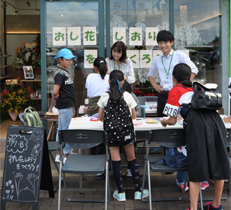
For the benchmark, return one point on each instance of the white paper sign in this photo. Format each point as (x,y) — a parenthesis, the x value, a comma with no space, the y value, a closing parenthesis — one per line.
(74,36)
(89,57)
(119,34)
(89,36)
(185,51)
(156,53)
(145,58)
(59,36)
(134,55)
(135,36)
(151,33)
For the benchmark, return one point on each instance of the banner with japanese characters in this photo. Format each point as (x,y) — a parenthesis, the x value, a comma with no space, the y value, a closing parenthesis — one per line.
(119,34)
(151,33)
(59,36)
(89,57)
(156,53)
(135,36)
(74,36)
(89,36)
(145,58)
(134,55)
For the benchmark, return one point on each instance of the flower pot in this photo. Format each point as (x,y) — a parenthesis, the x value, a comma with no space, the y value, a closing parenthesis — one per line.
(13,115)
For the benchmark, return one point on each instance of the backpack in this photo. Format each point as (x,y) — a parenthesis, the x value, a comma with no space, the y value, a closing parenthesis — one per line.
(118,122)
(32,118)
(205,98)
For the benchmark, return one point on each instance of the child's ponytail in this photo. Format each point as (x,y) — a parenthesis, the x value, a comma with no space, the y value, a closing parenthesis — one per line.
(101,64)
(115,78)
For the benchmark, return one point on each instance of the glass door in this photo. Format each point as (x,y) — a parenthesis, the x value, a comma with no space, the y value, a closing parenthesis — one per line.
(75,25)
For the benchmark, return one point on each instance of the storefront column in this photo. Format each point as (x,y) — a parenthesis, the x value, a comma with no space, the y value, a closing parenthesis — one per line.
(229,55)
(108,31)
(225,52)
(43,57)
(171,18)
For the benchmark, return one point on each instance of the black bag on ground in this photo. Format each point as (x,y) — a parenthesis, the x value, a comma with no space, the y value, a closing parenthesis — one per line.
(205,98)
(118,122)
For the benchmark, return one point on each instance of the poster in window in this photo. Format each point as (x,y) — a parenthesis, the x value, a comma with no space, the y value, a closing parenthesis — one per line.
(28,72)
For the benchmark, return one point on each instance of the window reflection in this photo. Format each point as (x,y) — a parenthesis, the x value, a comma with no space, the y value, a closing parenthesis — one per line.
(70,14)
(197,28)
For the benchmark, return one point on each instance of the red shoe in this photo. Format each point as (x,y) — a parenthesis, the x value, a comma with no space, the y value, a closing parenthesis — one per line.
(181,187)
(204,185)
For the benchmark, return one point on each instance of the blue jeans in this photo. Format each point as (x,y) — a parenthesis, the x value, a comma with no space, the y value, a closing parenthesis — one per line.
(64,120)
(176,159)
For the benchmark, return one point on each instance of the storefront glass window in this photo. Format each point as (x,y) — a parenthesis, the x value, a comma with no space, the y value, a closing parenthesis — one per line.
(197,28)
(141,14)
(63,15)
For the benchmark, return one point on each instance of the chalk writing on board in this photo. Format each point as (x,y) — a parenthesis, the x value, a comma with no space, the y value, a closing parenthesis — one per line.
(16,143)
(23,156)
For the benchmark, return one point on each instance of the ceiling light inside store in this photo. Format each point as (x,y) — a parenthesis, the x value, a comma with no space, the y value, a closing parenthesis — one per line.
(15,12)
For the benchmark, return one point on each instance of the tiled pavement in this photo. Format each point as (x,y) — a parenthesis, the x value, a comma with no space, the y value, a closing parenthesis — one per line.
(162,186)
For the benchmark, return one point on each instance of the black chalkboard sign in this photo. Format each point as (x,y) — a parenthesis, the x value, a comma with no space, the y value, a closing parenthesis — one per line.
(27,166)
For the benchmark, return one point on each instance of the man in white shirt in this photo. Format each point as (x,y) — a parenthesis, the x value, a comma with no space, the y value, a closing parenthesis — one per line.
(164,65)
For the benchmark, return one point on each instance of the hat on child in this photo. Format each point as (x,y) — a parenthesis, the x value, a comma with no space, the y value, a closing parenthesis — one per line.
(65,53)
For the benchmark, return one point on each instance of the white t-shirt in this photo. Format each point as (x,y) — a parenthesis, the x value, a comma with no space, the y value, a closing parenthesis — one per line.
(102,103)
(95,85)
(126,68)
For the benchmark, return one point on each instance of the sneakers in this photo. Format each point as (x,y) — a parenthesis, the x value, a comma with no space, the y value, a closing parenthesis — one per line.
(181,187)
(137,195)
(64,159)
(209,206)
(128,176)
(119,196)
(204,185)
(57,159)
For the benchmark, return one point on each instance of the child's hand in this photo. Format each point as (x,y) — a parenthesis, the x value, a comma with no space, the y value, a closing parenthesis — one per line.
(164,122)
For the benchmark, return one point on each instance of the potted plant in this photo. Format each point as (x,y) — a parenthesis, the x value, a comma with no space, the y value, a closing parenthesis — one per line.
(28,56)
(14,99)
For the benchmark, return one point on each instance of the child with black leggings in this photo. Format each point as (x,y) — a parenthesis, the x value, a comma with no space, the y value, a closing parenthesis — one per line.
(116,80)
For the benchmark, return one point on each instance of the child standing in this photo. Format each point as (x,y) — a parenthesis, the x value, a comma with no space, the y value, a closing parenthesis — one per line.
(97,84)
(205,139)
(64,93)
(116,80)
(118,61)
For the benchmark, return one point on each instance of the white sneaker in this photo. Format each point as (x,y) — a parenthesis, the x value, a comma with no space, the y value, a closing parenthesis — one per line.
(73,152)
(57,159)
(64,159)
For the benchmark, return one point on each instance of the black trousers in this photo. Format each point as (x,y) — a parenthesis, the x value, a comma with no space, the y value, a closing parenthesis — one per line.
(161,101)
